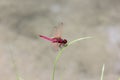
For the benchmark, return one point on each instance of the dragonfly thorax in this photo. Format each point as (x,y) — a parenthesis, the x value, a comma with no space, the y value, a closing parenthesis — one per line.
(59,40)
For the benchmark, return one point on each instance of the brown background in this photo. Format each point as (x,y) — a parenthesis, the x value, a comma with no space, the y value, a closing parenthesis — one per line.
(22,20)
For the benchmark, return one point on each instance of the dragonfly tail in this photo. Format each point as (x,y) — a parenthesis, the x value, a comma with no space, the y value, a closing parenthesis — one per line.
(46,38)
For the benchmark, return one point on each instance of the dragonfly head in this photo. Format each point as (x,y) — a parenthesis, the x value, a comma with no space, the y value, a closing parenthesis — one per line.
(64,41)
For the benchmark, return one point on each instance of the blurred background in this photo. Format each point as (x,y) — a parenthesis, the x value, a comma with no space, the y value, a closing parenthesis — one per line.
(21,21)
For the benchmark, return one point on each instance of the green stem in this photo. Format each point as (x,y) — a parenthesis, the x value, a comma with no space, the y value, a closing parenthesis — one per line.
(15,66)
(56,60)
(102,74)
(60,53)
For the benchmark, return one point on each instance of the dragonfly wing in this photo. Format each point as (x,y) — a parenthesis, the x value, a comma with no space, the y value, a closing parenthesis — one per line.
(57,31)
(55,46)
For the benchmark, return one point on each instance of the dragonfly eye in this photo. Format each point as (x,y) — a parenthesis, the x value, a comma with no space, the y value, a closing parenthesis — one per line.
(64,41)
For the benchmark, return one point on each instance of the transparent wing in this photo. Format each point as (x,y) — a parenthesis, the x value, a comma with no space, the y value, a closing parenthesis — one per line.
(57,31)
(55,46)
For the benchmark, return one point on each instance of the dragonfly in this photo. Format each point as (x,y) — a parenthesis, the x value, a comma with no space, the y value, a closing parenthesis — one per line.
(56,40)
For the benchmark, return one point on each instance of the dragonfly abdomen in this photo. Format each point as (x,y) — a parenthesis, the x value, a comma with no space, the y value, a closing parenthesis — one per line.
(44,37)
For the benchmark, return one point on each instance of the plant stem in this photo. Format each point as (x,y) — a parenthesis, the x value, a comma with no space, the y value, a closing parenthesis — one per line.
(15,66)
(102,74)
(60,53)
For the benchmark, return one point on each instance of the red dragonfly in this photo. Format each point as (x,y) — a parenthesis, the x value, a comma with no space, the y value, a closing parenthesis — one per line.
(57,40)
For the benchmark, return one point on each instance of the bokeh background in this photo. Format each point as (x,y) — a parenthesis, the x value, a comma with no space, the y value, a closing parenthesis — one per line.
(21,21)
